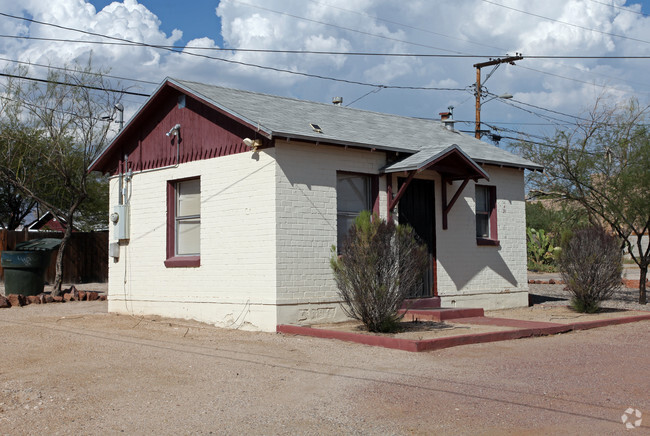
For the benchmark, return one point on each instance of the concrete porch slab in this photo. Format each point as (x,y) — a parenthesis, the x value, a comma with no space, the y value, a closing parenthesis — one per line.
(523,329)
(441,314)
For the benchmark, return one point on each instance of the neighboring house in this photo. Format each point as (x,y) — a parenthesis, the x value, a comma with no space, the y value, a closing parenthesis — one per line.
(48,222)
(230,202)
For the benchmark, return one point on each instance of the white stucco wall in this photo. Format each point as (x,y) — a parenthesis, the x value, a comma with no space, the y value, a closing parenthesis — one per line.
(484,276)
(306,225)
(235,284)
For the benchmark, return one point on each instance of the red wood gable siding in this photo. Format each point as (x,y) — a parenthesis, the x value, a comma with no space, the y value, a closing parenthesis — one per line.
(52,224)
(205,133)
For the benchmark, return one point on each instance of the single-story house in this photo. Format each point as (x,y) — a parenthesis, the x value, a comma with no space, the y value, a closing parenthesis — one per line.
(48,222)
(226,204)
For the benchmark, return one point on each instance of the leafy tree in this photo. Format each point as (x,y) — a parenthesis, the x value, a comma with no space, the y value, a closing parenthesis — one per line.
(555,217)
(602,165)
(380,265)
(93,211)
(14,207)
(51,134)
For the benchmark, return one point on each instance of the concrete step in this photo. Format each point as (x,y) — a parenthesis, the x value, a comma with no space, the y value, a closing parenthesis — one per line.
(441,314)
(422,303)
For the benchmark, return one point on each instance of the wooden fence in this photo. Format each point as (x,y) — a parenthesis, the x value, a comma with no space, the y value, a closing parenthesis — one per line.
(85,259)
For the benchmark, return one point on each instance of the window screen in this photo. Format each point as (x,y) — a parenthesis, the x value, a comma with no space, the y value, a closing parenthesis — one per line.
(188,217)
(483,211)
(352,197)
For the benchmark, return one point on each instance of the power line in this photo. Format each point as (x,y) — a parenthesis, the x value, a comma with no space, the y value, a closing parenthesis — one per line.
(373,91)
(361,54)
(505,129)
(582,71)
(312,52)
(26,103)
(546,144)
(578,80)
(231,61)
(620,7)
(407,26)
(346,28)
(129,42)
(553,120)
(148,95)
(121,41)
(567,23)
(511,123)
(76,85)
(67,69)
(549,110)
(178,48)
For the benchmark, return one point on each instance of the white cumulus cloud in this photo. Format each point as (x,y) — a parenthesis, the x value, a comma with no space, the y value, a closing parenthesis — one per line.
(462,27)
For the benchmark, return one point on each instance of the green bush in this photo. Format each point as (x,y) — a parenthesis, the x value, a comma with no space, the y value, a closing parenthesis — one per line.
(590,264)
(379,266)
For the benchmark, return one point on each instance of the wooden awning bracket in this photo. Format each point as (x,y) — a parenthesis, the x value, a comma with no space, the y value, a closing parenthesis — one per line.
(447,207)
(392,202)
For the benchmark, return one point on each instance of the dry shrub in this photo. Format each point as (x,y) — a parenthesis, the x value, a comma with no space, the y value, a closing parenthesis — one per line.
(379,266)
(590,263)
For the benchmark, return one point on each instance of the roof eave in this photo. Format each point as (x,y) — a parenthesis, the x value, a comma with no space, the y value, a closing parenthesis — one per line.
(334,141)
(523,166)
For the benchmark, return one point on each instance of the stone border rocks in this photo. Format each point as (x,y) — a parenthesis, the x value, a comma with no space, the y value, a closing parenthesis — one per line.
(70,294)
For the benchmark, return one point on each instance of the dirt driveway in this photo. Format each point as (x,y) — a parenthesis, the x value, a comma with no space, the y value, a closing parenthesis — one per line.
(73,369)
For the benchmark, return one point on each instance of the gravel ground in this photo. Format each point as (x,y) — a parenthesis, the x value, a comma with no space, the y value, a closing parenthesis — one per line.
(555,295)
(74,369)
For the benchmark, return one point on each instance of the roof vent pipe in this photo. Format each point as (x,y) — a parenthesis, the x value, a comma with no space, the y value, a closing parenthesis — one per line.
(337,101)
(447,118)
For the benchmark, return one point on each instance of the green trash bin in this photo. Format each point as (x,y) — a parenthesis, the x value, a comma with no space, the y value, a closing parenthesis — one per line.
(24,268)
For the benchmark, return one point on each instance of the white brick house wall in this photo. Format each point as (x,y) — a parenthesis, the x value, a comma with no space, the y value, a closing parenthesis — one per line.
(235,284)
(484,276)
(268,221)
(306,225)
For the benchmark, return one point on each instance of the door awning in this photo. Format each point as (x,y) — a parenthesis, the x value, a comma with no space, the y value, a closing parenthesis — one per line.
(451,162)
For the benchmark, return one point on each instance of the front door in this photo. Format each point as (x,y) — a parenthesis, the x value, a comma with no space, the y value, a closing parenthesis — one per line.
(417,208)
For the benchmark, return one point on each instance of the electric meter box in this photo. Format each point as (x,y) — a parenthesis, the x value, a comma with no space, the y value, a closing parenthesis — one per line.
(120,220)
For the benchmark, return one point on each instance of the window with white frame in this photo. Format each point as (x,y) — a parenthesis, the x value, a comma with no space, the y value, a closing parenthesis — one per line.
(183,223)
(188,218)
(353,195)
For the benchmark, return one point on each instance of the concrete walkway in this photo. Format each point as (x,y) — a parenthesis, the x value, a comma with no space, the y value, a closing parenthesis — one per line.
(519,329)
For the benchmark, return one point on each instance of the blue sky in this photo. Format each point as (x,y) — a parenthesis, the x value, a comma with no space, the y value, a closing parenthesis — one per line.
(196,18)
(548,93)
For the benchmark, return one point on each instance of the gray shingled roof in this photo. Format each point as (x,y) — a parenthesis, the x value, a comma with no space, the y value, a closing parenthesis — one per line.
(287,117)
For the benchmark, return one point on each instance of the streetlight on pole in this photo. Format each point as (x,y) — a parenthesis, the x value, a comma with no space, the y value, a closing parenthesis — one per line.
(478,92)
(505,96)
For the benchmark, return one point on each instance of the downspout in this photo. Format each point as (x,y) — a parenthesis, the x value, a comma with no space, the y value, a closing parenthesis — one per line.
(120,200)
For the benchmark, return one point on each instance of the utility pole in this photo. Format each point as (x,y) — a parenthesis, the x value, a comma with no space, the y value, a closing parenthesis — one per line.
(511,60)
